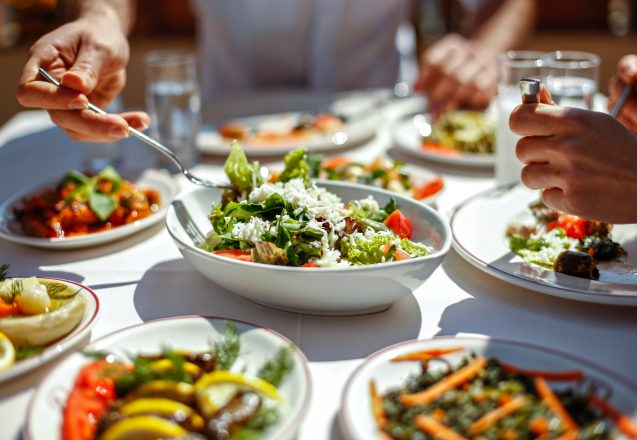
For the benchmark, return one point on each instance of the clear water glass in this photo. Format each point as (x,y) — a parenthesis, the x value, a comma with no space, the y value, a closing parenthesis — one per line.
(173,103)
(99,155)
(571,77)
(512,67)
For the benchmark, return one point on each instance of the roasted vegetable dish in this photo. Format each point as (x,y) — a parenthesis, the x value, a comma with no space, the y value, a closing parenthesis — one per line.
(565,243)
(81,205)
(293,222)
(461,131)
(381,172)
(283,128)
(176,394)
(34,313)
(482,398)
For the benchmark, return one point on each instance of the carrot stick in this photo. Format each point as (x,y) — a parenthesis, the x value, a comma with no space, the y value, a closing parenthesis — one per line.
(438,430)
(492,417)
(622,421)
(553,402)
(450,382)
(548,375)
(377,406)
(426,355)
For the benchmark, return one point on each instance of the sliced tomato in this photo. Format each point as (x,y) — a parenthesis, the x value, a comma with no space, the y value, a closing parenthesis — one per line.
(439,148)
(574,227)
(310,265)
(235,254)
(398,223)
(334,163)
(398,254)
(427,189)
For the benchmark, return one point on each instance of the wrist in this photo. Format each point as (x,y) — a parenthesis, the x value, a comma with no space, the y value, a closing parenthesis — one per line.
(111,13)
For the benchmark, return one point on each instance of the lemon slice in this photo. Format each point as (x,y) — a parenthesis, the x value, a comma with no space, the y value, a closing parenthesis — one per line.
(7,352)
(143,428)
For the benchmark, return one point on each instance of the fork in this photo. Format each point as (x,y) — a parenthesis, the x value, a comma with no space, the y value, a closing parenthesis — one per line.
(153,143)
(187,222)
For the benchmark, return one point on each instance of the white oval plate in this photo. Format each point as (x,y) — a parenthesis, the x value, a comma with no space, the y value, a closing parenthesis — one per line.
(356,416)
(409,139)
(479,224)
(354,132)
(44,417)
(10,230)
(91,312)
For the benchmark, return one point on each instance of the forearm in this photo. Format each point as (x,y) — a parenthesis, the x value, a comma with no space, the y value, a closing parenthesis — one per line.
(508,27)
(120,12)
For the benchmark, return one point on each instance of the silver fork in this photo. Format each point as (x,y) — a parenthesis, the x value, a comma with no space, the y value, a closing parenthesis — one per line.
(186,221)
(152,142)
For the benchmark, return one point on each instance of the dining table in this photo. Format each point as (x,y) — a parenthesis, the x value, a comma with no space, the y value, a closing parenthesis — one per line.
(144,277)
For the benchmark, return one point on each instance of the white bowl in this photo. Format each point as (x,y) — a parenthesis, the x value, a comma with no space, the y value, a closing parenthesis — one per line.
(356,416)
(321,291)
(44,417)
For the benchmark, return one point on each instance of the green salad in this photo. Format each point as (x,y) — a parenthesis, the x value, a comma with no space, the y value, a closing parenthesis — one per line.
(293,222)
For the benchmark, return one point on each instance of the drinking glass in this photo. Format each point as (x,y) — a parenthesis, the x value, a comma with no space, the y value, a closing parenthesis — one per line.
(571,77)
(512,67)
(99,155)
(173,102)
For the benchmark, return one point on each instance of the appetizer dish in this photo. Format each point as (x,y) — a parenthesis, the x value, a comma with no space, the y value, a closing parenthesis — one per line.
(450,391)
(382,172)
(293,222)
(565,243)
(283,128)
(299,245)
(80,205)
(535,248)
(140,385)
(36,314)
(461,131)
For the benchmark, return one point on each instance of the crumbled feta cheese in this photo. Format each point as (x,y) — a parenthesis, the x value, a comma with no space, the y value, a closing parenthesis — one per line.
(252,230)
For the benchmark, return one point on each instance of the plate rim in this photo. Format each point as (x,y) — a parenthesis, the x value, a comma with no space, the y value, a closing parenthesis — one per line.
(629,299)
(87,240)
(289,430)
(479,161)
(70,340)
(345,421)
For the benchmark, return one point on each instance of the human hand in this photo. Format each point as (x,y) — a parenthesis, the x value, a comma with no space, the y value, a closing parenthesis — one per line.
(626,74)
(457,73)
(88,56)
(585,162)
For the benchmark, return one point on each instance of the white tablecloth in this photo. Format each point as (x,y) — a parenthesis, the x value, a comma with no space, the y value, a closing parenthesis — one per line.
(144,277)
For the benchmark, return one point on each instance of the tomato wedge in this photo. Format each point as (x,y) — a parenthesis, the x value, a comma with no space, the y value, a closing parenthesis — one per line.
(235,254)
(333,163)
(398,223)
(574,227)
(427,189)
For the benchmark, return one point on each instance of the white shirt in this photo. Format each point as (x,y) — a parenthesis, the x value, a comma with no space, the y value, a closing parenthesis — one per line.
(325,45)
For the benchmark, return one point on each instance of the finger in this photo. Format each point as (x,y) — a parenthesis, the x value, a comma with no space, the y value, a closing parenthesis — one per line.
(429,77)
(554,198)
(89,123)
(85,72)
(137,120)
(627,69)
(539,176)
(466,79)
(41,94)
(480,100)
(540,119)
(534,149)
(443,92)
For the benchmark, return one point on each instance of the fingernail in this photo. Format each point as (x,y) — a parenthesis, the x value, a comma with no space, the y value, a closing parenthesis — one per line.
(118,132)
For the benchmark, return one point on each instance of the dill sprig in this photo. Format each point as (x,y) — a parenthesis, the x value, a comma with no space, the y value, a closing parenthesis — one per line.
(15,288)
(4,271)
(227,350)
(274,370)
(55,290)
(96,355)
(27,351)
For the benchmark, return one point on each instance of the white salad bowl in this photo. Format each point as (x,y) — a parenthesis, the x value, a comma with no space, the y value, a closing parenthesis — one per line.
(321,291)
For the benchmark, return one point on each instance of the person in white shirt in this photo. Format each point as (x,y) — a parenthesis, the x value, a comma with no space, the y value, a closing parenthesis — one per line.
(327,45)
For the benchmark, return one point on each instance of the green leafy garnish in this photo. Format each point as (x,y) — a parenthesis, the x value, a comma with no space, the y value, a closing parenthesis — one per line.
(102,205)
(88,191)
(518,243)
(56,291)
(4,271)
(227,349)
(296,166)
(27,351)
(243,175)
(73,176)
(278,367)
(362,250)
(96,354)
(143,372)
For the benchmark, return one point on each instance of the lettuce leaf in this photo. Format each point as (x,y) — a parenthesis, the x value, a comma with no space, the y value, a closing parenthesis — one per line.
(242,174)
(296,166)
(361,250)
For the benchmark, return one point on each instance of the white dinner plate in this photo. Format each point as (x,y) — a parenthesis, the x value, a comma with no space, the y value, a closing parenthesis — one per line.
(10,229)
(407,136)
(91,312)
(479,224)
(355,131)
(195,333)
(356,416)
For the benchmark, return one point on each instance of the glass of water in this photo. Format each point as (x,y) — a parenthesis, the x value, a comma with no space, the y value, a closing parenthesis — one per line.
(512,67)
(173,102)
(571,77)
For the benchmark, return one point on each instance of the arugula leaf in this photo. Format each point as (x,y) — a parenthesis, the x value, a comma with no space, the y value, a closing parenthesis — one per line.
(102,205)
(274,370)
(300,253)
(391,206)
(296,166)
(239,171)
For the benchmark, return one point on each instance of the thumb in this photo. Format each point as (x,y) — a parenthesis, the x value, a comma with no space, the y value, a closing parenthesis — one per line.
(627,69)
(84,73)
